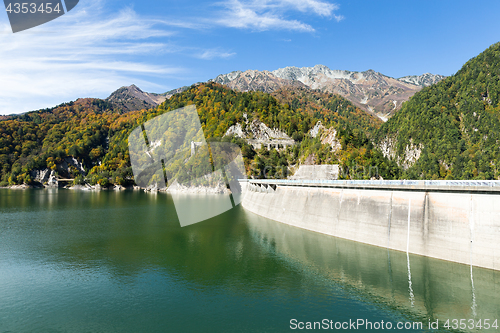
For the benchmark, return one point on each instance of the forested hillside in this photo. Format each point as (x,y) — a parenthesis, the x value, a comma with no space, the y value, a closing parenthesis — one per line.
(81,129)
(451,129)
(95,134)
(332,107)
(220,107)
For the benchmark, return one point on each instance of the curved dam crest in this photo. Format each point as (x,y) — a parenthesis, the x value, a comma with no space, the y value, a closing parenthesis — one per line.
(454,223)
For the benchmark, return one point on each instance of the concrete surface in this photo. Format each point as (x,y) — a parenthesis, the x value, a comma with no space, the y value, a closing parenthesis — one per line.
(461,225)
(326,171)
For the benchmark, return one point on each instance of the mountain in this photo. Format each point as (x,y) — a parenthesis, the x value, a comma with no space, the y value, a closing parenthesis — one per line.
(447,130)
(344,140)
(328,105)
(371,91)
(172,92)
(252,80)
(132,98)
(451,129)
(91,134)
(424,80)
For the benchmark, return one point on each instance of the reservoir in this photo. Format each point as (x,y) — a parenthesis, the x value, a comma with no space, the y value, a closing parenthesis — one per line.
(74,261)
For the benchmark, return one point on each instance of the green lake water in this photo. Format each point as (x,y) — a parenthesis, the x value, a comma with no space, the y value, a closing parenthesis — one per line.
(108,261)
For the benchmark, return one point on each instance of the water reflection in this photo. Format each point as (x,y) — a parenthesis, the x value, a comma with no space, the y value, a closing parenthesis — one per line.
(412,296)
(121,261)
(428,288)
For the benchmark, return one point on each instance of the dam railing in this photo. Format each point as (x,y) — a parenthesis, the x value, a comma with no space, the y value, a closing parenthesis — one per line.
(473,186)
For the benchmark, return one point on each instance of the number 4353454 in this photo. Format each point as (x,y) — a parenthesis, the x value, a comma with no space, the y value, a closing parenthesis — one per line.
(33,8)
(471,324)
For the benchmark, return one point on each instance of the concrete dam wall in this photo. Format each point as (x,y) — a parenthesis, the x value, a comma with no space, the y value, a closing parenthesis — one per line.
(461,224)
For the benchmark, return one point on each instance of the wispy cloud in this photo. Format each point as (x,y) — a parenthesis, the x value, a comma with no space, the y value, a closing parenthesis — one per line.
(78,55)
(257,16)
(211,54)
(264,15)
(87,53)
(321,8)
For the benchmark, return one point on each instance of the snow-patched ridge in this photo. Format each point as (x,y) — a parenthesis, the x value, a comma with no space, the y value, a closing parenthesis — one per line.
(424,80)
(371,91)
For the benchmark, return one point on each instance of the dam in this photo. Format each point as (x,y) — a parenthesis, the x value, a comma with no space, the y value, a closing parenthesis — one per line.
(457,221)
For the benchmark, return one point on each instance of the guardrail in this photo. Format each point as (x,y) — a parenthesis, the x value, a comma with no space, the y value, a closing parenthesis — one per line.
(428,185)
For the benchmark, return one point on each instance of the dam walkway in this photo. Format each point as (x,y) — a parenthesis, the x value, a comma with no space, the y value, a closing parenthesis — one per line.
(455,186)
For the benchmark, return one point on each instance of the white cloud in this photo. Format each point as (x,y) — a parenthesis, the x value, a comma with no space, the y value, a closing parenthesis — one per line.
(258,17)
(84,54)
(321,8)
(211,54)
(78,55)
(264,15)
(87,53)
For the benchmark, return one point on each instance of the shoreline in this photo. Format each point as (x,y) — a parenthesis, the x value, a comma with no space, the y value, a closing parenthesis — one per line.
(173,189)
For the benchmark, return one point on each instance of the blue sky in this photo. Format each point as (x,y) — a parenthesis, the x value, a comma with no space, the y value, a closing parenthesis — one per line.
(161,45)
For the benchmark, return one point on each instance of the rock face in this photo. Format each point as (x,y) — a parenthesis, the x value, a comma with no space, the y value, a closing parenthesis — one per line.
(371,91)
(410,156)
(41,176)
(132,98)
(258,134)
(65,169)
(71,161)
(328,136)
(177,188)
(172,92)
(45,177)
(424,80)
(253,80)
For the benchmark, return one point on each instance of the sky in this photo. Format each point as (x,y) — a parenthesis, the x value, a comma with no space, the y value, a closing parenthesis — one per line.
(102,45)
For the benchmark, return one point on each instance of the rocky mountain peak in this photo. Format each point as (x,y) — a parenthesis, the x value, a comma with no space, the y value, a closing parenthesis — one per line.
(132,98)
(227,78)
(371,91)
(133,87)
(424,80)
(254,80)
